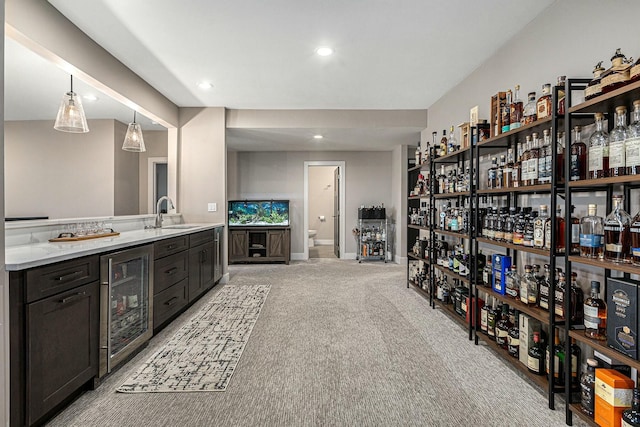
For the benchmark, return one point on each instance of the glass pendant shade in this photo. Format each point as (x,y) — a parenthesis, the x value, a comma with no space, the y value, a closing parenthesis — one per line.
(133,140)
(71,116)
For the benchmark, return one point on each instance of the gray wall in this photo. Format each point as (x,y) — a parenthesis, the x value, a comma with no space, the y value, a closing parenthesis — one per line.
(321,192)
(156,143)
(125,173)
(279,175)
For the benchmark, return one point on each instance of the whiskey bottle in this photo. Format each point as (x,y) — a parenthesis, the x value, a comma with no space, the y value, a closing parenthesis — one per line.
(529,112)
(560,84)
(529,229)
(492,319)
(635,239)
(499,225)
(576,358)
(617,234)
(500,172)
(592,234)
(526,156)
(434,148)
(508,225)
(538,227)
(515,119)
(534,155)
(594,88)
(545,158)
(578,156)
(484,313)
(535,359)
(595,314)
(558,360)
(544,105)
(518,228)
(588,388)
(530,283)
(631,416)
(575,233)
(560,295)
(545,288)
(560,225)
(577,301)
(617,138)
(492,173)
(506,113)
(452,143)
(513,341)
(418,155)
(502,327)
(560,150)
(632,143)
(443,143)
(517,167)
(599,150)
(512,280)
(507,171)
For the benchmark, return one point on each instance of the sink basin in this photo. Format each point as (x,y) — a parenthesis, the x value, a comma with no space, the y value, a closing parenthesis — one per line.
(180,226)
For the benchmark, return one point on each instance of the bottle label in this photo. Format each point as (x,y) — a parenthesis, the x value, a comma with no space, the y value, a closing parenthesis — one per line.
(559,307)
(533,169)
(512,292)
(513,342)
(632,147)
(625,424)
(635,252)
(542,167)
(501,333)
(483,320)
(595,158)
(616,154)
(591,240)
(613,247)
(524,294)
(591,319)
(533,364)
(575,168)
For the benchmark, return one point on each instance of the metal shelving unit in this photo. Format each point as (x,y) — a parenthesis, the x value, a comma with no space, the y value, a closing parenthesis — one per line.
(372,240)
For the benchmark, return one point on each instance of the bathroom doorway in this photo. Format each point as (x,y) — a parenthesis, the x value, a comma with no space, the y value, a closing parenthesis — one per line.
(324,196)
(157,183)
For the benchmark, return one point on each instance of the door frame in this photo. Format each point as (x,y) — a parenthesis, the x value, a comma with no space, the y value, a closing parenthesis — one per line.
(340,164)
(151,181)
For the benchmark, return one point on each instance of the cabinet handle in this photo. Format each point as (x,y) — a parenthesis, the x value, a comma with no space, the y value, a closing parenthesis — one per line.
(203,256)
(171,271)
(172,301)
(67,276)
(169,247)
(71,297)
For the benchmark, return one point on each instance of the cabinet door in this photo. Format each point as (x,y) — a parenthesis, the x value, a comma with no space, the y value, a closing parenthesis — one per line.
(239,244)
(62,347)
(276,244)
(200,269)
(169,271)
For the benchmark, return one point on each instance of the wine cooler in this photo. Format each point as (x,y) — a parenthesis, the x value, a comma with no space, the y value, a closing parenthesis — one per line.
(126,304)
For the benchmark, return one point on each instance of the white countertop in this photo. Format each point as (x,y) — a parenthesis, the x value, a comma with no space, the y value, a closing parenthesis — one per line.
(35,254)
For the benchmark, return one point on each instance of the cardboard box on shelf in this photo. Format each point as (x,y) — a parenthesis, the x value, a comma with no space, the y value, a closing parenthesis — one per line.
(622,315)
(501,265)
(614,393)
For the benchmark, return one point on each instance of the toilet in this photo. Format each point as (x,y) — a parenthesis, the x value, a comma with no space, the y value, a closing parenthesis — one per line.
(312,235)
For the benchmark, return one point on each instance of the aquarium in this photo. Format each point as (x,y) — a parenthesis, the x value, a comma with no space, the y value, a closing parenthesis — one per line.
(259,213)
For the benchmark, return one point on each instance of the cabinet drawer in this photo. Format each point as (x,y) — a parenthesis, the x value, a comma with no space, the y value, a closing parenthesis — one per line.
(169,302)
(201,237)
(51,279)
(170,246)
(170,270)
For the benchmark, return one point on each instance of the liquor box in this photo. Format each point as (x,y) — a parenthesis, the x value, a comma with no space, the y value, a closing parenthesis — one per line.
(614,394)
(622,315)
(465,307)
(501,265)
(528,326)
(465,134)
(498,102)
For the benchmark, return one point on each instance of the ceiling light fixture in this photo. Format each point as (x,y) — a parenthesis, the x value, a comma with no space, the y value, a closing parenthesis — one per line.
(318,136)
(71,116)
(205,85)
(324,51)
(133,140)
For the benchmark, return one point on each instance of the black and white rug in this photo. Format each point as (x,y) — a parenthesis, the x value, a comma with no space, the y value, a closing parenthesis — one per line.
(203,353)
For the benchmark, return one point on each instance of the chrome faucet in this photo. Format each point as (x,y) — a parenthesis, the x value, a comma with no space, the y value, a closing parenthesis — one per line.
(159,212)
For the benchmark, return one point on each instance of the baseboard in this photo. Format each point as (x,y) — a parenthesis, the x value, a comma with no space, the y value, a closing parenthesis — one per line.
(349,255)
(297,256)
(324,242)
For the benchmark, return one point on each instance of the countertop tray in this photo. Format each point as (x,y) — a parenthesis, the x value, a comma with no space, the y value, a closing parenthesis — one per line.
(78,238)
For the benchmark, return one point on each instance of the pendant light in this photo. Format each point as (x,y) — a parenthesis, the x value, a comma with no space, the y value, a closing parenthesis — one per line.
(133,140)
(71,116)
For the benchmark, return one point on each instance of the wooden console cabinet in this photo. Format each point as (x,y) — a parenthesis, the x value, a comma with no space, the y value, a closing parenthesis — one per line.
(253,244)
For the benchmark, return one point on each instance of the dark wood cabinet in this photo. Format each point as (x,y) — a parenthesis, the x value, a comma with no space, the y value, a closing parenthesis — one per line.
(201,264)
(217,257)
(257,244)
(170,302)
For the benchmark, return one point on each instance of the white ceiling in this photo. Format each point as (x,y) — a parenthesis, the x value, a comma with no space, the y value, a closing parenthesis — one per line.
(402,54)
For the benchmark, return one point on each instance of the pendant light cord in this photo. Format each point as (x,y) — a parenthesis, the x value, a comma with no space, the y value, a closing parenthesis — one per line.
(134,116)
(71,83)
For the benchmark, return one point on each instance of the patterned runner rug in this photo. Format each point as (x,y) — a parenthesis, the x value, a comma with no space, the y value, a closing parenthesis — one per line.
(203,353)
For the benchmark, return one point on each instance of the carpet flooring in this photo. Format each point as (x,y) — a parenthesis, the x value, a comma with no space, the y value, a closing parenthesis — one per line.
(337,344)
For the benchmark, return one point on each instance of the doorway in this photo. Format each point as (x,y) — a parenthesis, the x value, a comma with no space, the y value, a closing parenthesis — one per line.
(323,201)
(157,183)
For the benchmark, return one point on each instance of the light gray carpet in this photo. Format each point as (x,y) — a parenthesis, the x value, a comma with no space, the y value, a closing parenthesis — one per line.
(341,344)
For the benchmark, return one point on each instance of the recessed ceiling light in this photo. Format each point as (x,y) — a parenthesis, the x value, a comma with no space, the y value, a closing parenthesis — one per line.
(90,98)
(205,85)
(324,51)
(318,136)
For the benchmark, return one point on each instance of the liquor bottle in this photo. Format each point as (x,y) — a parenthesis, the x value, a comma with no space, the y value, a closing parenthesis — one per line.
(452,143)
(575,233)
(506,113)
(632,143)
(502,327)
(576,358)
(538,227)
(545,157)
(508,225)
(513,341)
(592,234)
(588,388)
(577,301)
(599,150)
(535,359)
(517,167)
(499,225)
(512,280)
(544,105)
(560,84)
(545,288)
(560,295)
(635,239)
(418,155)
(518,228)
(500,172)
(558,360)
(578,156)
(529,290)
(443,143)
(529,111)
(594,88)
(560,225)
(617,138)
(484,315)
(526,156)
(529,229)
(434,147)
(595,314)
(560,149)
(507,171)
(534,155)
(617,236)
(631,416)
(492,173)
(515,119)
(492,319)
(618,75)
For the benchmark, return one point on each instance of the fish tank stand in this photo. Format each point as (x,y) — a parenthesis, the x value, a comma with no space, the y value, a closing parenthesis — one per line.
(259,244)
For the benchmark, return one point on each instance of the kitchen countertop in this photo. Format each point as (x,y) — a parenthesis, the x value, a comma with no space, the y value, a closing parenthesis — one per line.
(26,256)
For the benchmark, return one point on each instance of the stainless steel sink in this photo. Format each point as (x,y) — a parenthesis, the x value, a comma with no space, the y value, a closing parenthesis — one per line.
(180,226)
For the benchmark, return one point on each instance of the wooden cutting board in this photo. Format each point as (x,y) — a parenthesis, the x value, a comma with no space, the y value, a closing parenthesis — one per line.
(88,237)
